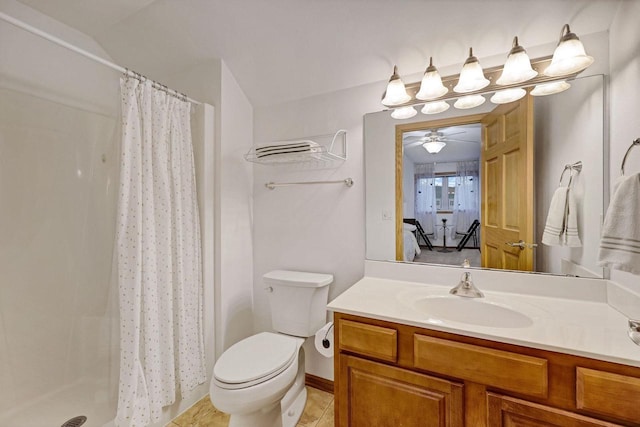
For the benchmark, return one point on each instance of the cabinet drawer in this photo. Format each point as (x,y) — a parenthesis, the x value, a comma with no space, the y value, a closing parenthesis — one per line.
(375,341)
(609,394)
(502,369)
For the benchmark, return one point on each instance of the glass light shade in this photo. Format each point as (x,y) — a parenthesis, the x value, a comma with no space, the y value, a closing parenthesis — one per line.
(550,88)
(569,56)
(435,107)
(396,93)
(517,69)
(404,113)
(431,86)
(472,76)
(434,147)
(508,95)
(469,101)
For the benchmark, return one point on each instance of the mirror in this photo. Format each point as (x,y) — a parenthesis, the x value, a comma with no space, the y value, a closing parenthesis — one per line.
(567,128)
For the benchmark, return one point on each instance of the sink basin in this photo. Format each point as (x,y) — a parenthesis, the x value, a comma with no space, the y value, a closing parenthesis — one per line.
(471,311)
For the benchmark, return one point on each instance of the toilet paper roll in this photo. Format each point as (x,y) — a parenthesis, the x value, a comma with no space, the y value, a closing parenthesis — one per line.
(324,340)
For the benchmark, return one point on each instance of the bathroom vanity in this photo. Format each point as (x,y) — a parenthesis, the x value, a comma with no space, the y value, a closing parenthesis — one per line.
(401,360)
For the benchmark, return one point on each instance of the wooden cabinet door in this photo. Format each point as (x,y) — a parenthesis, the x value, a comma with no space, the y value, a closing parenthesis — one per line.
(506,411)
(374,394)
(507,186)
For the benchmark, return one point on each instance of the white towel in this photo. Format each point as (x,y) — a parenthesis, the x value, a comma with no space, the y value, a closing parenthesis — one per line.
(620,243)
(561,228)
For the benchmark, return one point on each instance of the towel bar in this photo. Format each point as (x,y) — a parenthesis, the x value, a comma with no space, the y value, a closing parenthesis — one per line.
(271,185)
(624,159)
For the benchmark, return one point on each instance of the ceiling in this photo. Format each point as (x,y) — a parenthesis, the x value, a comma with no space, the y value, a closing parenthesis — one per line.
(283,50)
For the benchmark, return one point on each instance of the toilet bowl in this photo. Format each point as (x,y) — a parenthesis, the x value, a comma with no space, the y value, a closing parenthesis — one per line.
(259,381)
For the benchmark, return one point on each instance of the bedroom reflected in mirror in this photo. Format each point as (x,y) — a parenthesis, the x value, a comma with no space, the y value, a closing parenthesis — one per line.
(486,185)
(441,194)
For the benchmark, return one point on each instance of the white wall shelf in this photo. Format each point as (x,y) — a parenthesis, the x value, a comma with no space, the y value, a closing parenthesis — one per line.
(318,152)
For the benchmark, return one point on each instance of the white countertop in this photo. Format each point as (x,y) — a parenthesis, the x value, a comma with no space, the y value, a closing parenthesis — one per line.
(580,327)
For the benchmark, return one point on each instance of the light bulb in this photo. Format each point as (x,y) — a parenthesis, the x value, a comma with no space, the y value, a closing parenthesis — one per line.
(471,77)
(506,96)
(569,56)
(435,107)
(431,86)
(517,69)
(550,88)
(404,113)
(396,93)
(434,147)
(469,101)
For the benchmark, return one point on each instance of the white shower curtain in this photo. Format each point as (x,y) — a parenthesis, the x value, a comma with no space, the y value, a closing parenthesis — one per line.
(466,203)
(158,256)
(425,200)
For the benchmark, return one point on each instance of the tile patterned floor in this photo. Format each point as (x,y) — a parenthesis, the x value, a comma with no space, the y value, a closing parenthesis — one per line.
(318,412)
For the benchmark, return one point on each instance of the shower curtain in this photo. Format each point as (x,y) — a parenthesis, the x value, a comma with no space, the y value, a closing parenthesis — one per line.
(425,201)
(158,255)
(466,200)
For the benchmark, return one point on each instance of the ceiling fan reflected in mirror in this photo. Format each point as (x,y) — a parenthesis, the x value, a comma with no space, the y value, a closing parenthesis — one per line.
(435,140)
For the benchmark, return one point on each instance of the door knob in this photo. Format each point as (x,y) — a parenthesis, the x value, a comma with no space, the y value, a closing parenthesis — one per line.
(522,245)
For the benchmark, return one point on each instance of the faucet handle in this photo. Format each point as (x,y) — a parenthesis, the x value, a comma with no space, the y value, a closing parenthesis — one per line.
(466,263)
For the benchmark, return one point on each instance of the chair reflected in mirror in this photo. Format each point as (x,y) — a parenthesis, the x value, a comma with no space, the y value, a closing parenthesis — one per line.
(471,234)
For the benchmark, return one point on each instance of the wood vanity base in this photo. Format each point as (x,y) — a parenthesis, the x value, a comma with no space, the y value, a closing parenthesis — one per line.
(389,375)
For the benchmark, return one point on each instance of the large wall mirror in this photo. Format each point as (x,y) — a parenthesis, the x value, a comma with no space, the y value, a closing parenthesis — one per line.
(478,184)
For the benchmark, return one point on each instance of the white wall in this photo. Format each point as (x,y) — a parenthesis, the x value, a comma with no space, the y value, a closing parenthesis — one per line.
(625,109)
(213,83)
(569,128)
(317,228)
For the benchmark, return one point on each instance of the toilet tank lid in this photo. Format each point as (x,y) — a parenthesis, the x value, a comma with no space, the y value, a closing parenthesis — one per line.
(297,278)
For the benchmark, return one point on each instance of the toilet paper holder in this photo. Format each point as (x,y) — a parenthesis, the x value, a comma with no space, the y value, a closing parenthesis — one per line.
(325,342)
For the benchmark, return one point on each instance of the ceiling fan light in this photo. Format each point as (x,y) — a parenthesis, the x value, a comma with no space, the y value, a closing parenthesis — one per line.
(469,101)
(435,107)
(569,56)
(396,93)
(404,113)
(517,69)
(434,147)
(506,96)
(472,76)
(550,88)
(431,86)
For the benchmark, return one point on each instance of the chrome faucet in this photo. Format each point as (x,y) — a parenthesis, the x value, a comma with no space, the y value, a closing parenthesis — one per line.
(466,288)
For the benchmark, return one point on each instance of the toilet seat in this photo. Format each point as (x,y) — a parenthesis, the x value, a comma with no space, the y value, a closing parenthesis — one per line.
(255,360)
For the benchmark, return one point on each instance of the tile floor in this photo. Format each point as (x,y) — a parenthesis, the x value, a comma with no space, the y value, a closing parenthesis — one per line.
(318,412)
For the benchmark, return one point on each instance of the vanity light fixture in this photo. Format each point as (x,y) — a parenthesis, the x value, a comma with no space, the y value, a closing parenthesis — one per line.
(396,93)
(435,107)
(569,56)
(431,86)
(550,88)
(434,146)
(507,83)
(506,96)
(471,77)
(404,113)
(469,101)
(517,69)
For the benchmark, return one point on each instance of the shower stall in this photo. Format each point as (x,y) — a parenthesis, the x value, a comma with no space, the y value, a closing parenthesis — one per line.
(59,172)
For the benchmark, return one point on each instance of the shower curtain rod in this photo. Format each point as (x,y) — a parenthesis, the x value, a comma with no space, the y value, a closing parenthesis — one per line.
(60,42)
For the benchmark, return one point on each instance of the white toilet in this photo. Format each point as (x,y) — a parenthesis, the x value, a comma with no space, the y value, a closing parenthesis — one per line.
(259,381)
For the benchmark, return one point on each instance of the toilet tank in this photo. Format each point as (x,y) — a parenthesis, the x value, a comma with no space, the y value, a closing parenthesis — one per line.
(298,301)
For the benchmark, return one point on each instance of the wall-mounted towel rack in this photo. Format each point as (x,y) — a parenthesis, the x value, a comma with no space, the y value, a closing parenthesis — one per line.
(577,166)
(271,185)
(316,152)
(624,159)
